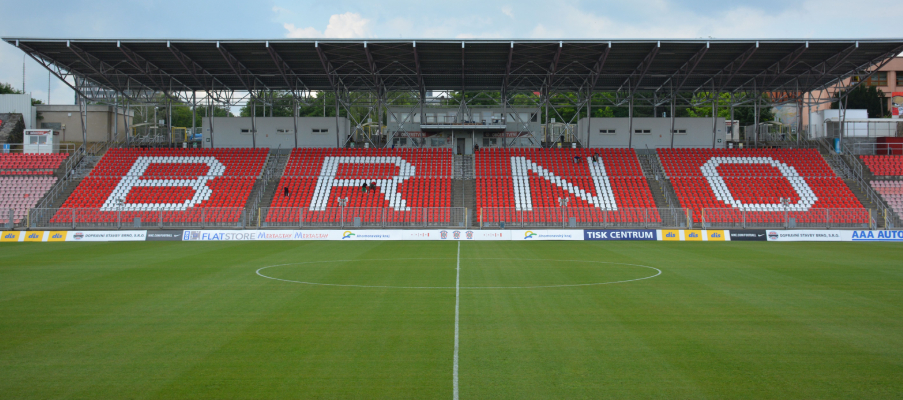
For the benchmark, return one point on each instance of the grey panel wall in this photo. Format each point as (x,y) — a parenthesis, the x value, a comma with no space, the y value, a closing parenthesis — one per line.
(275,132)
(653,132)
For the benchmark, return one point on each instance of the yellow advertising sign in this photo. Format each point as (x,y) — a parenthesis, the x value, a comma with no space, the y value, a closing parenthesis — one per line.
(670,234)
(693,235)
(10,236)
(715,236)
(56,236)
(33,236)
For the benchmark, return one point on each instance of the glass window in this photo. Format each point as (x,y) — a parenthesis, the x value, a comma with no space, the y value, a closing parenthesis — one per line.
(437,142)
(878,79)
(899,78)
(490,142)
(33,140)
(52,125)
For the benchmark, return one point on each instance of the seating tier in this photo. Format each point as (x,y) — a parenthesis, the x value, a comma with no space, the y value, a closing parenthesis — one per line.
(172,184)
(892,191)
(889,165)
(758,181)
(402,184)
(22,193)
(531,182)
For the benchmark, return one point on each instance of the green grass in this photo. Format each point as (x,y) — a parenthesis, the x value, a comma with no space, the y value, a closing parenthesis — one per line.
(194,320)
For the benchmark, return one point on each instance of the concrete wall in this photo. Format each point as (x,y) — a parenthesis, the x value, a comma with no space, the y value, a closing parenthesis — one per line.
(275,132)
(698,132)
(100,122)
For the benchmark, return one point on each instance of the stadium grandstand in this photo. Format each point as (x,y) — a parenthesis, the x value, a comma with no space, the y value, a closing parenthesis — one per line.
(452,133)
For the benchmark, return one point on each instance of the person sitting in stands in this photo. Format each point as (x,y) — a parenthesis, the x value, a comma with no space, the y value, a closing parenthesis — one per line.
(364,187)
(595,158)
(285,191)
(576,160)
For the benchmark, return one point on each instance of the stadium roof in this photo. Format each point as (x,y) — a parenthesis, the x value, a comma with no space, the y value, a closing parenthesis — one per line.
(552,65)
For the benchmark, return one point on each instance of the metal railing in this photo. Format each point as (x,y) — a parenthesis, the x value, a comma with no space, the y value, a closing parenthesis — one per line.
(85,218)
(728,218)
(363,217)
(70,164)
(580,217)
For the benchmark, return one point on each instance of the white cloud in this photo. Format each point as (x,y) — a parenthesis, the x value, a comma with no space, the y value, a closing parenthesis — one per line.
(280,10)
(507,10)
(341,26)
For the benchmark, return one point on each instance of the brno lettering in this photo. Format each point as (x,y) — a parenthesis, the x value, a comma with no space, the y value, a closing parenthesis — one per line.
(601,197)
(388,187)
(135,178)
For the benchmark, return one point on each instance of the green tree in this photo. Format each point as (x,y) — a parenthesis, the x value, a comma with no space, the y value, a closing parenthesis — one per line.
(865,97)
(6,88)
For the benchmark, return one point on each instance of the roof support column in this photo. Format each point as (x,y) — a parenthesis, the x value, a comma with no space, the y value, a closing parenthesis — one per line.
(295,118)
(337,139)
(673,109)
(755,118)
(169,120)
(194,112)
(126,125)
(116,118)
(253,122)
(732,119)
(210,112)
(589,116)
(714,115)
(630,121)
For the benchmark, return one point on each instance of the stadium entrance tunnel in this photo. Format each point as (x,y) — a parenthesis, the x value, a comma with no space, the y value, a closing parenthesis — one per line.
(476,273)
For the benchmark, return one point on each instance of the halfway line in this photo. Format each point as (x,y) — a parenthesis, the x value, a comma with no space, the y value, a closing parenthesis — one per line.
(457,304)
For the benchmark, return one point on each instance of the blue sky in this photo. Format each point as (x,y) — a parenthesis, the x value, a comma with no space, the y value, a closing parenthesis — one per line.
(427,19)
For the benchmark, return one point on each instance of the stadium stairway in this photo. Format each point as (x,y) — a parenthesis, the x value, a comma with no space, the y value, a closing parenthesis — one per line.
(267,186)
(464,185)
(648,162)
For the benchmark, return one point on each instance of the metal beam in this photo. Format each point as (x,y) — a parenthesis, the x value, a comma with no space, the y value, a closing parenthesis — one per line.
(778,68)
(327,67)
(245,76)
(683,73)
(600,63)
(197,72)
(290,77)
(508,66)
(554,67)
(102,69)
(421,85)
(374,71)
(731,69)
(640,72)
(149,69)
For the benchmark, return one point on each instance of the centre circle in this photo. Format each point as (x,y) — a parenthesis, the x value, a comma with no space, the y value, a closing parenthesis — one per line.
(479,273)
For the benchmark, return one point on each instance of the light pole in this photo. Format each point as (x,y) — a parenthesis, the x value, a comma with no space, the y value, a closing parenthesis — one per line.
(342,203)
(563,203)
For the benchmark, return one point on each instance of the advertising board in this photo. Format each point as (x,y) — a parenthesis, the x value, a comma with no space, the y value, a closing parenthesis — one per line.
(808,236)
(620,234)
(105,236)
(164,235)
(747,235)
(547,234)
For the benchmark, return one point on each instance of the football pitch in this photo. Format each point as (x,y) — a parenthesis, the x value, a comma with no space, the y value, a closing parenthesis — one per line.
(443,320)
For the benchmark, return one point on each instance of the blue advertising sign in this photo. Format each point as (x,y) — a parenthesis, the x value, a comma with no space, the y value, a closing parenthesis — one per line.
(619,234)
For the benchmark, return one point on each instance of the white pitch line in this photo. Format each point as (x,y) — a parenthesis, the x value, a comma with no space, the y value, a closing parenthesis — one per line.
(457,316)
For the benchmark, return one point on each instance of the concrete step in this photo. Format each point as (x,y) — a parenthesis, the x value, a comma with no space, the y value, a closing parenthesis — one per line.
(657,193)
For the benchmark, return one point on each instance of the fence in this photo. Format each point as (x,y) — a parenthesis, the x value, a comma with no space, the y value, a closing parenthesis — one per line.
(363,217)
(727,218)
(578,217)
(75,218)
